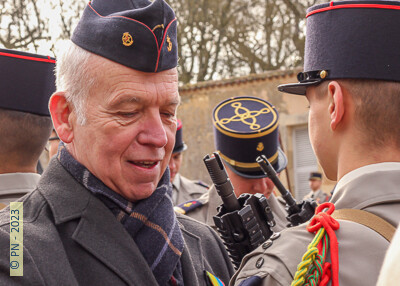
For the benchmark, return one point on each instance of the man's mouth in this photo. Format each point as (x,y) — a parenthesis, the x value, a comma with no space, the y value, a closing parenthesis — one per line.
(145,164)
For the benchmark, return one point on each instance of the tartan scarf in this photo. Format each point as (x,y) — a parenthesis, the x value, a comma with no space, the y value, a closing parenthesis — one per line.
(151,222)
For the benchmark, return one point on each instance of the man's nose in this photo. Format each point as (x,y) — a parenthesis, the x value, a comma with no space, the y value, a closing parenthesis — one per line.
(154,132)
(260,185)
(172,164)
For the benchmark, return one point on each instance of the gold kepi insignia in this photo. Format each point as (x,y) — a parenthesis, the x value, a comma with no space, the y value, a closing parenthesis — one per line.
(169,48)
(188,205)
(127,39)
(249,117)
(260,146)
(245,116)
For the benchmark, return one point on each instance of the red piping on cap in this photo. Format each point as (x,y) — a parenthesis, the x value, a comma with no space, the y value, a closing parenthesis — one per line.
(162,43)
(345,6)
(123,17)
(48,60)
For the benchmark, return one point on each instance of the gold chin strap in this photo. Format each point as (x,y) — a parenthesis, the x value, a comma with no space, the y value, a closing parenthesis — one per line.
(367,219)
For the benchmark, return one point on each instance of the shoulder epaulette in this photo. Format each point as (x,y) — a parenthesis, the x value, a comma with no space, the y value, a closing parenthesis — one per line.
(188,206)
(200,183)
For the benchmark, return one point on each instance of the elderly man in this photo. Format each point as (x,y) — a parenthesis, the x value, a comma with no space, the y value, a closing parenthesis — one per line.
(26,84)
(184,189)
(351,79)
(102,213)
(239,142)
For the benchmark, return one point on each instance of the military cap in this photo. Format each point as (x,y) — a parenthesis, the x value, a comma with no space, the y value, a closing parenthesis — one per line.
(26,81)
(135,33)
(180,146)
(315,176)
(350,40)
(245,128)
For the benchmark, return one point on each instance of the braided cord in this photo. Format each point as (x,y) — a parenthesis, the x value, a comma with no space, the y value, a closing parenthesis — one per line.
(313,270)
(310,269)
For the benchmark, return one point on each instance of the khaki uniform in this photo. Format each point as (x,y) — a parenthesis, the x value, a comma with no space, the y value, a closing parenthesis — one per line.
(373,188)
(319,196)
(185,190)
(15,185)
(211,200)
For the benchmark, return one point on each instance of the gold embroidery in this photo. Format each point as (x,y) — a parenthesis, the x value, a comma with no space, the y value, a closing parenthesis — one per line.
(260,146)
(169,48)
(245,116)
(127,39)
(158,26)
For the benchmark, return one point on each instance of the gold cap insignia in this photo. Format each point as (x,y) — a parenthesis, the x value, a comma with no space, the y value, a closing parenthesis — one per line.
(260,146)
(323,74)
(188,205)
(169,48)
(127,39)
(158,26)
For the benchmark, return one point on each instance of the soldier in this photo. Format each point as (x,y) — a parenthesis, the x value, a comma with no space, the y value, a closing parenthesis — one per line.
(315,181)
(26,84)
(103,206)
(53,144)
(183,188)
(244,128)
(351,79)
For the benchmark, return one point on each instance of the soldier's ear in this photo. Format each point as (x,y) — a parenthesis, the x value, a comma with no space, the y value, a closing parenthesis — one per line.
(61,112)
(336,106)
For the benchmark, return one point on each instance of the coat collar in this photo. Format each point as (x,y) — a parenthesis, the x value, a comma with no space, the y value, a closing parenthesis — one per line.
(183,183)
(17,183)
(351,190)
(98,231)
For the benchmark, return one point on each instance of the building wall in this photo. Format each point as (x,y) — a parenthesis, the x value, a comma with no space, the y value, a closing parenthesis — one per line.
(198,102)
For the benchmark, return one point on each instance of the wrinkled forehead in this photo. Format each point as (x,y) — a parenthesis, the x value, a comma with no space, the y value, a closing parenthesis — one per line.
(122,84)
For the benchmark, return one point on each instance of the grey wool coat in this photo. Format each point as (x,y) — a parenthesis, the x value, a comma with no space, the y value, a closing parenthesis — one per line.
(71,238)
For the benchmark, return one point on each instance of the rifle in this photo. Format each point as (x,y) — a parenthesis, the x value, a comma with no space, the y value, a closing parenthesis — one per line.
(244,223)
(297,212)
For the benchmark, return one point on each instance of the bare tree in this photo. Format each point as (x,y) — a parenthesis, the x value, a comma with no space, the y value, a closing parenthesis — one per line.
(227,38)
(69,15)
(21,24)
(217,39)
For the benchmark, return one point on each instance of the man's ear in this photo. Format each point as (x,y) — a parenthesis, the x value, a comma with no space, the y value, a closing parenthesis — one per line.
(60,111)
(336,106)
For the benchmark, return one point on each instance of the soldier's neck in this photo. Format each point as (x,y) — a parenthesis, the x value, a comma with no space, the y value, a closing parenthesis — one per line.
(357,157)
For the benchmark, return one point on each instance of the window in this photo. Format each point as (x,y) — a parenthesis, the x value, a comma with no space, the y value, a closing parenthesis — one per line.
(304,161)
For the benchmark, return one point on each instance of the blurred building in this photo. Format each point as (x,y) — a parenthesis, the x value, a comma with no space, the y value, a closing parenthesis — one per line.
(198,101)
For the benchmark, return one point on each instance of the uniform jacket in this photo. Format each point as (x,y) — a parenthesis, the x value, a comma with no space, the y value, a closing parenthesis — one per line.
(373,188)
(211,200)
(15,185)
(185,190)
(72,238)
(319,196)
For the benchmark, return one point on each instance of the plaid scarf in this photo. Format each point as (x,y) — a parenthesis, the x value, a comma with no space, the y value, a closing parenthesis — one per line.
(151,222)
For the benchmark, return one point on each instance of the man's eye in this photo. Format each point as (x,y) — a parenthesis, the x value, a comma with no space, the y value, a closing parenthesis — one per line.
(127,114)
(168,114)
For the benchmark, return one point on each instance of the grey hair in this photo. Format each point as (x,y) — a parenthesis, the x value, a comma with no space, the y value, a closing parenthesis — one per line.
(74,78)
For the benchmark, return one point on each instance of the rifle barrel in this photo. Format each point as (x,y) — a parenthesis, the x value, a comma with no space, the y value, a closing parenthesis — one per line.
(221,181)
